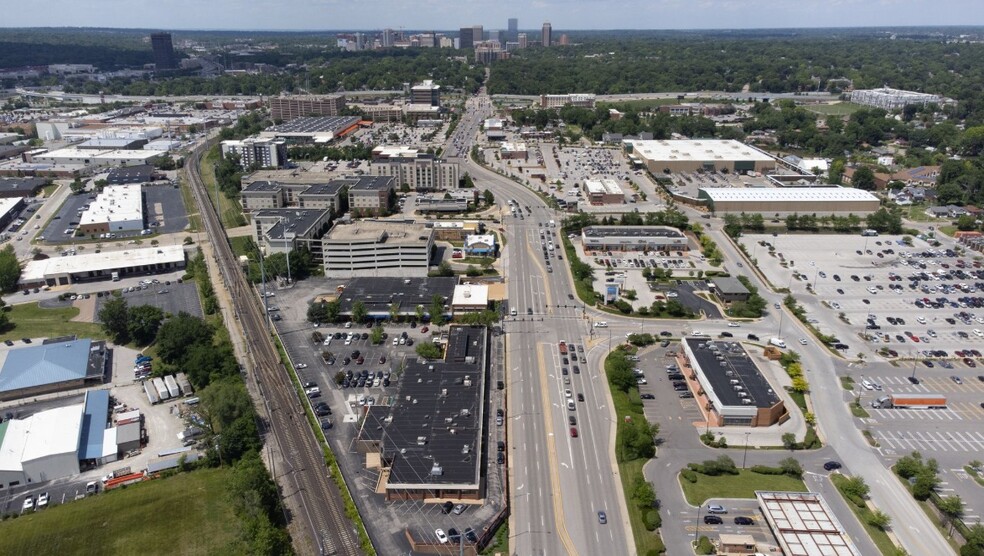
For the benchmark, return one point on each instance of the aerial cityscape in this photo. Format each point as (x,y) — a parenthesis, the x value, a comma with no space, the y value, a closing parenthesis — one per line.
(521,279)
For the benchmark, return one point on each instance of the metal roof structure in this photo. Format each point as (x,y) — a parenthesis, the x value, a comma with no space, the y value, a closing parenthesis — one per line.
(33,366)
(804,525)
(697,149)
(718,194)
(94,418)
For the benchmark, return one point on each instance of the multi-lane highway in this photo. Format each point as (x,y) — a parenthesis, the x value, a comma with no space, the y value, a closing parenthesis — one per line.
(559,482)
(304,481)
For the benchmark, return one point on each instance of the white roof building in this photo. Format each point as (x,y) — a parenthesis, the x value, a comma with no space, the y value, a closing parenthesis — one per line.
(61,270)
(605,186)
(480,242)
(118,207)
(470,297)
(41,447)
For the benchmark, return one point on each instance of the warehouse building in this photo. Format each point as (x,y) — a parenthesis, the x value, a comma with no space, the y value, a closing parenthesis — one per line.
(735,390)
(51,444)
(785,201)
(804,525)
(51,367)
(893,99)
(633,238)
(321,129)
(97,158)
(604,192)
(10,208)
(378,247)
(143,173)
(21,187)
(692,155)
(101,266)
(119,208)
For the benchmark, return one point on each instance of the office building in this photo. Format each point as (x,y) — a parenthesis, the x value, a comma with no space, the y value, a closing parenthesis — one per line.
(564,41)
(468,36)
(451,201)
(305,194)
(633,238)
(164,57)
(513,151)
(487,52)
(545,35)
(286,229)
(426,94)
(264,153)
(384,247)
(286,108)
(522,41)
(513,34)
(387,38)
(580,100)
(729,289)
(420,171)
(379,295)
(893,99)
(373,195)
(732,390)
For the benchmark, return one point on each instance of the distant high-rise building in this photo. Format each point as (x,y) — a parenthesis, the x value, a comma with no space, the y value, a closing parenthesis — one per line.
(285,109)
(387,38)
(466,38)
(521,40)
(564,41)
(498,36)
(513,30)
(545,35)
(163,51)
(427,93)
(478,33)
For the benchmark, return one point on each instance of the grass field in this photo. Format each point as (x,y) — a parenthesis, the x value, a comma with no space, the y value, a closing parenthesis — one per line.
(184,514)
(229,210)
(879,537)
(742,485)
(836,109)
(643,105)
(28,320)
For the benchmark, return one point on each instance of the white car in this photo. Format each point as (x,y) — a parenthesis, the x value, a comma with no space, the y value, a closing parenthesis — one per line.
(28,504)
(978,332)
(42,500)
(697,333)
(300,366)
(867,385)
(803,341)
(733,325)
(568,393)
(441,537)
(921,320)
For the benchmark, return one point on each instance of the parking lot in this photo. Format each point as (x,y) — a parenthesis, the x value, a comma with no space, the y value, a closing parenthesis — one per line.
(880,296)
(171,296)
(347,403)
(164,212)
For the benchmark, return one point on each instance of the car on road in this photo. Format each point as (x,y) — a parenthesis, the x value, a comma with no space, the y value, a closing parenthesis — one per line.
(602,517)
(441,537)
(803,341)
(832,465)
(573,432)
(580,397)
(733,325)
(42,500)
(716,509)
(743,520)
(500,458)
(28,503)
(712,520)
(300,366)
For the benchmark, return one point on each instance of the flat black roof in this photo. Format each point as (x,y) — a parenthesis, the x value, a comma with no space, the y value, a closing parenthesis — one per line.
(741,368)
(315,124)
(331,188)
(729,285)
(435,437)
(631,231)
(295,220)
(262,186)
(131,174)
(25,185)
(370,183)
(379,293)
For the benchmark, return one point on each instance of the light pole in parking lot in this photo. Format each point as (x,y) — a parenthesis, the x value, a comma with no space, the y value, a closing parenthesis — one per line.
(744,455)
(697,528)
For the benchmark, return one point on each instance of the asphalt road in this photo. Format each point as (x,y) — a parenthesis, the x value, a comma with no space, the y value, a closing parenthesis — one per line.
(558,482)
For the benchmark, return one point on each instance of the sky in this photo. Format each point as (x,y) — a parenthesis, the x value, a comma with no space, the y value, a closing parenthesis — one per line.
(453,14)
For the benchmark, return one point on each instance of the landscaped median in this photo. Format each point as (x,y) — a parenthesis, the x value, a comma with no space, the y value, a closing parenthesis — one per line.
(634,446)
(720,478)
(854,490)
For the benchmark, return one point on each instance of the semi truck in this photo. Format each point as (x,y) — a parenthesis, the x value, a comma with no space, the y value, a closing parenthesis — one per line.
(151,392)
(910,401)
(172,386)
(161,388)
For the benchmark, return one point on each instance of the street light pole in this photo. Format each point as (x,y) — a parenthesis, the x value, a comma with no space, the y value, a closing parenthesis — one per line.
(697,528)
(745,454)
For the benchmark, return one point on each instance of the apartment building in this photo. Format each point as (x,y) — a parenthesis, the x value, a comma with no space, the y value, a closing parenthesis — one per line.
(372,196)
(286,108)
(419,170)
(265,153)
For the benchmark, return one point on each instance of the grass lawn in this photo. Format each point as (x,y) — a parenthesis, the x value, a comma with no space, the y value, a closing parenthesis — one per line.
(194,218)
(742,485)
(184,514)
(28,320)
(239,245)
(948,230)
(643,104)
(229,210)
(836,109)
(879,537)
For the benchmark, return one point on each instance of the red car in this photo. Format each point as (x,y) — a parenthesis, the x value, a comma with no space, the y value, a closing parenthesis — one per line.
(424,329)
(573,432)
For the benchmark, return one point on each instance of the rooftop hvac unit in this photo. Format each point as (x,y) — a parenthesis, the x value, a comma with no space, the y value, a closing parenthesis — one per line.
(724,363)
(470,359)
(437,470)
(421,440)
(468,381)
(746,401)
(465,449)
(452,432)
(444,392)
(449,420)
(734,381)
(729,373)
(465,412)
(742,394)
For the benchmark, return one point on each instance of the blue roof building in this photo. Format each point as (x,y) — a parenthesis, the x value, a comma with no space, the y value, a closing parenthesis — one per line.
(50,367)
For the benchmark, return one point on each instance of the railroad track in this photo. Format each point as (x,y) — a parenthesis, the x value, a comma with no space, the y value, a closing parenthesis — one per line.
(306,476)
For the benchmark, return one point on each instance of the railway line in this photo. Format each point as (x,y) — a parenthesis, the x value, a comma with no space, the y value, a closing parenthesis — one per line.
(306,476)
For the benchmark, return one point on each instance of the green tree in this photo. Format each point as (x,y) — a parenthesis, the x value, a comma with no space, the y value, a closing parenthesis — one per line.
(178,334)
(114,317)
(950,194)
(856,486)
(10,269)
(788,440)
(951,507)
(444,269)
(791,467)
(488,197)
(437,310)
(143,323)
(429,350)
(359,312)
(966,223)
(376,335)
(879,519)
(643,492)
(864,178)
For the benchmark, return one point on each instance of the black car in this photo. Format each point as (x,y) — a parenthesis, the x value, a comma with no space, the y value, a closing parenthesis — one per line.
(675,376)
(713,520)
(647,396)
(577,370)
(686,395)
(470,535)
(322,410)
(580,397)
(832,465)
(447,507)
(913,380)
(753,337)
(500,458)
(742,520)
(453,534)
(666,333)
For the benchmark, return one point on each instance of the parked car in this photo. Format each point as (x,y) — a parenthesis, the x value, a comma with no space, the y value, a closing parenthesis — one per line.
(742,520)
(712,520)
